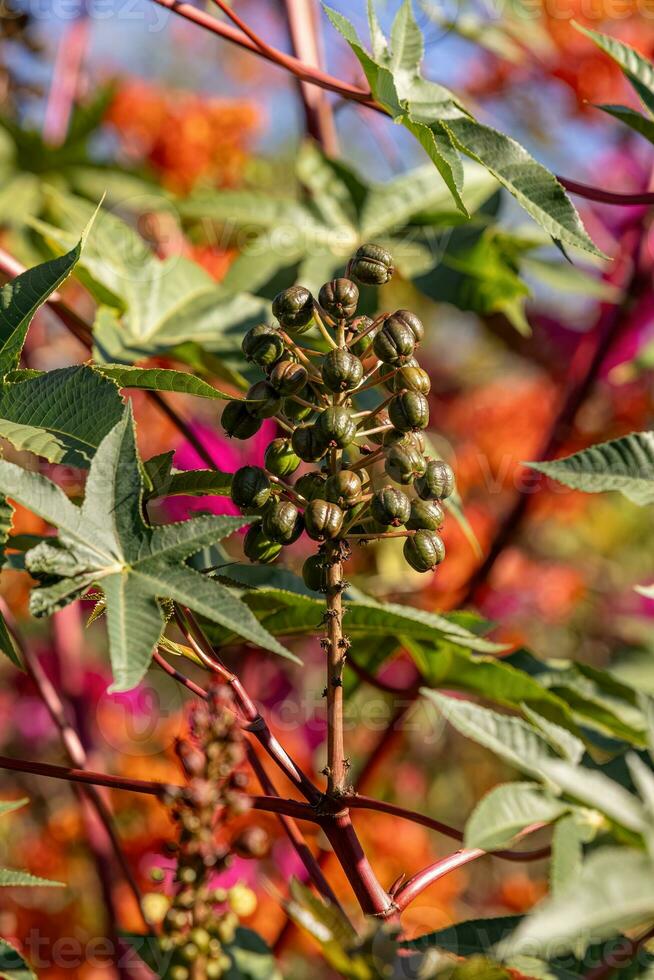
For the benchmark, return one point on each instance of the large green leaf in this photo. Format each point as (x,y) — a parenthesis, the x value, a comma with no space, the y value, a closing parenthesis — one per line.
(62,415)
(507,810)
(107,542)
(6,642)
(160,379)
(12,965)
(637,69)
(625,464)
(634,120)
(467,938)
(21,298)
(614,891)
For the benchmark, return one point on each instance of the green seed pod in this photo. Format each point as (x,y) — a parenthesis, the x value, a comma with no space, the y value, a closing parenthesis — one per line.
(294,410)
(323,520)
(426,515)
(372,265)
(341,371)
(410,320)
(424,550)
(308,443)
(404,463)
(288,378)
(311,485)
(390,506)
(293,308)
(409,411)
(258,546)
(437,482)
(250,488)
(395,342)
(359,325)
(282,522)
(238,422)
(280,460)
(339,298)
(336,427)
(343,488)
(315,574)
(263,345)
(263,400)
(410,377)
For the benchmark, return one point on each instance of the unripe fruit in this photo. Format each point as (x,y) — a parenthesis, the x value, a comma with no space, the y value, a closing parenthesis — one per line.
(250,488)
(359,325)
(294,410)
(409,411)
(179,973)
(339,298)
(314,574)
(201,938)
(390,506)
(336,427)
(341,371)
(372,265)
(395,342)
(404,463)
(252,842)
(410,320)
(280,460)
(343,488)
(410,377)
(323,520)
(238,422)
(293,308)
(258,547)
(242,901)
(155,906)
(288,378)
(437,482)
(282,522)
(424,550)
(263,345)
(427,515)
(263,401)
(308,443)
(311,485)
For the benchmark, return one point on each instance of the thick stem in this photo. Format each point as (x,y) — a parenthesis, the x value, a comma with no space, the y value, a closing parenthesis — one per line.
(337,765)
(304,27)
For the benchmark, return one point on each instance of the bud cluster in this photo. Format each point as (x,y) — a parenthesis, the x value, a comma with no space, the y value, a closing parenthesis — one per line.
(318,362)
(200,921)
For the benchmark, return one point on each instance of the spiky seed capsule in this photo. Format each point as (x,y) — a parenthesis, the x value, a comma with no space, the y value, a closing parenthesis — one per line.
(308,443)
(263,401)
(250,488)
(339,298)
(395,343)
(437,482)
(424,550)
(390,506)
(409,377)
(404,463)
(263,345)
(295,411)
(343,488)
(282,522)
(410,320)
(341,371)
(336,427)
(323,520)
(314,574)
(258,547)
(280,460)
(311,485)
(288,378)
(426,515)
(238,422)
(372,265)
(293,308)
(409,411)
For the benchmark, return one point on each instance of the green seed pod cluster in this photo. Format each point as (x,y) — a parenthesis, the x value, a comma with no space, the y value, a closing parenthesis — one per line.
(321,364)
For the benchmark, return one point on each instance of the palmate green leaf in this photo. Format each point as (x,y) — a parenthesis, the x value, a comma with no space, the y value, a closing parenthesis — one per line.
(571,832)
(467,938)
(62,415)
(107,542)
(631,118)
(12,965)
(637,69)
(160,379)
(625,464)
(193,483)
(614,891)
(445,128)
(507,810)
(21,298)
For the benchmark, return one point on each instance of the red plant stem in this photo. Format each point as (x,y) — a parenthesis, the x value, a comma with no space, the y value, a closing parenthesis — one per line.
(303,18)
(315,76)
(366,803)
(63,88)
(412,888)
